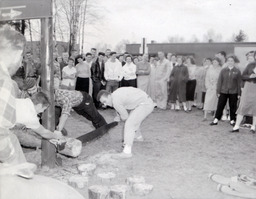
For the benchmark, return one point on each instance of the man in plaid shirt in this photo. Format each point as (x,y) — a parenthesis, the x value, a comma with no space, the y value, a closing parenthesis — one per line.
(11,45)
(81,102)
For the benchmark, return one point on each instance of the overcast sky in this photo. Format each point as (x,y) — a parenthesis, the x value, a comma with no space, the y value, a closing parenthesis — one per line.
(158,19)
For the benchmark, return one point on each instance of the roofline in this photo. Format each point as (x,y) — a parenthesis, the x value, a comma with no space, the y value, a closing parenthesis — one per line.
(196,43)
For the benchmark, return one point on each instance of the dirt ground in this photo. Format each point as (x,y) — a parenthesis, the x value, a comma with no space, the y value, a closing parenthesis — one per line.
(178,153)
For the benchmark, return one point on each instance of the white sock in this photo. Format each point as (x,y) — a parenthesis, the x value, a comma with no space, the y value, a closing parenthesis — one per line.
(215,120)
(127,149)
(236,127)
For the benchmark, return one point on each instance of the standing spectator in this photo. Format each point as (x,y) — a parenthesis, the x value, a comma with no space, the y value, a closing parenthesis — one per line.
(69,76)
(200,83)
(94,54)
(32,71)
(211,80)
(121,59)
(152,90)
(56,71)
(107,54)
(65,57)
(62,65)
(97,75)
(143,71)
(222,56)
(162,77)
(191,83)
(228,88)
(113,73)
(129,72)
(140,57)
(178,78)
(247,104)
(83,74)
(135,60)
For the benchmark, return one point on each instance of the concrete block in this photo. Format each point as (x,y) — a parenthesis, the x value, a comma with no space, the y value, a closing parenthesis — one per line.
(118,191)
(98,192)
(86,169)
(106,176)
(142,189)
(135,180)
(78,181)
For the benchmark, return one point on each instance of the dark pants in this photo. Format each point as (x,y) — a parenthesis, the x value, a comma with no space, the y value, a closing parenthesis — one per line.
(82,84)
(203,96)
(97,86)
(190,90)
(232,99)
(88,110)
(131,82)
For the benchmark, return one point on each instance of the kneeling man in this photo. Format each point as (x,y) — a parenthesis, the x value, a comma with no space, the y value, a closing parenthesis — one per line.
(127,99)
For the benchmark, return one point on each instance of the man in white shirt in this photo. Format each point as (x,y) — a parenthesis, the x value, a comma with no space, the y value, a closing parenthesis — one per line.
(140,106)
(113,73)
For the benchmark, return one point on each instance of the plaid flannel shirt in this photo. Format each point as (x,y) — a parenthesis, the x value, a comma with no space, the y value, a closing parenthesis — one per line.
(7,103)
(67,99)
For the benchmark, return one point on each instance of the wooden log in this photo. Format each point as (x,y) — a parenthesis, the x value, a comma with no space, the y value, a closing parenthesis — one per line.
(142,189)
(29,138)
(98,192)
(78,181)
(118,191)
(73,147)
(86,169)
(135,180)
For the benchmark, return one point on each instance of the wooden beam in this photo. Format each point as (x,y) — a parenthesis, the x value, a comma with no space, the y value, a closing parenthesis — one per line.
(48,150)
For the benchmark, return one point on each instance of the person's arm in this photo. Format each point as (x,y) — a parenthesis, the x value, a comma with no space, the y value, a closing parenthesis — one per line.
(219,84)
(45,133)
(62,122)
(121,72)
(121,111)
(148,70)
(239,83)
(106,75)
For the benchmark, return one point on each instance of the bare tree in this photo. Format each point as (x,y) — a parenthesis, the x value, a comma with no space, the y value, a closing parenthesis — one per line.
(71,18)
(210,36)
(194,39)
(176,39)
(240,37)
(121,46)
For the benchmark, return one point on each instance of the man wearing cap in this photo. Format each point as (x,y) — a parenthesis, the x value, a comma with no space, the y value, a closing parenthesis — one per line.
(138,103)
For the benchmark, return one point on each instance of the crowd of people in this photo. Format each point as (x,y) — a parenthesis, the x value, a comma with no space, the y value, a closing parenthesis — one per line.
(173,81)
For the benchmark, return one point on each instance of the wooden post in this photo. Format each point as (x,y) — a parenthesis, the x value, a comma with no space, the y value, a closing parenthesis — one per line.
(48,149)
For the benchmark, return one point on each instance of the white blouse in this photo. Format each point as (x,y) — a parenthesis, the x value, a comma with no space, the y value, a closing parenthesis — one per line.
(129,71)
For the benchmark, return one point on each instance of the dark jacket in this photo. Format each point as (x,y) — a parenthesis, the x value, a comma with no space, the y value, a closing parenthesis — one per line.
(248,71)
(229,81)
(97,74)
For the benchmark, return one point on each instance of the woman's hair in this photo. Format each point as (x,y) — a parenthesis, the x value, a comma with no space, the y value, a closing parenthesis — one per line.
(236,60)
(217,59)
(192,60)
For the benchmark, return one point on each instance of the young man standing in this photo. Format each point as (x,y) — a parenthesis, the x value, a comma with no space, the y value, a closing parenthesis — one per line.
(97,75)
(140,106)
(113,73)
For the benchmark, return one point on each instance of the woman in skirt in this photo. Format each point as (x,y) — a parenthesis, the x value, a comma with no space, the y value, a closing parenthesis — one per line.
(247,104)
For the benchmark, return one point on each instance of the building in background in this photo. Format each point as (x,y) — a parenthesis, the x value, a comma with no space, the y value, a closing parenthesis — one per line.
(198,50)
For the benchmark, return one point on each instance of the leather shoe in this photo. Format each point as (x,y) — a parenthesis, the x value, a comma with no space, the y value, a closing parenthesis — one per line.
(213,123)
(234,131)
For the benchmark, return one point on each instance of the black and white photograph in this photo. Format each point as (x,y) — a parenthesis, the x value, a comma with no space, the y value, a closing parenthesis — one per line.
(126,99)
